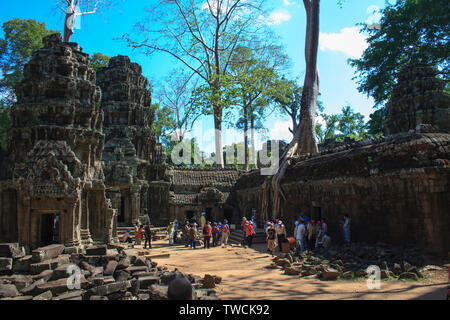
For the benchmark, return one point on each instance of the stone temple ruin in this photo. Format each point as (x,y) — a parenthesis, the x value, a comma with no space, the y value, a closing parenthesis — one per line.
(82,159)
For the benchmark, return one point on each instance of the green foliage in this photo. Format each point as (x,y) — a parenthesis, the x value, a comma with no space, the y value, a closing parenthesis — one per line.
(99,60)
(410,31)
(375,127)
(348,124)
(21,39)
(164,124)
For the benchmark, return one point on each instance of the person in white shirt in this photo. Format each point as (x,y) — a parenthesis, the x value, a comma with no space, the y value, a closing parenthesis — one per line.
(300,235)
(281,233)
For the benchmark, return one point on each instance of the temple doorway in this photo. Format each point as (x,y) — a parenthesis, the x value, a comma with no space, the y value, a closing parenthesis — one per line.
(189,215)
(208,214)
(228,214)
(121,213)
(49,229)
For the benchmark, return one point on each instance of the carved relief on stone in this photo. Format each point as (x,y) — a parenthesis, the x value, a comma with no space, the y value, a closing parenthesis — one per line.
(52,169)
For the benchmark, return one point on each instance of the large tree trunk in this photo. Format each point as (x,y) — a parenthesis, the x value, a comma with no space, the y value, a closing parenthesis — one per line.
(252,128)
(218,136)
(69,21)
(245,136)
(304,141)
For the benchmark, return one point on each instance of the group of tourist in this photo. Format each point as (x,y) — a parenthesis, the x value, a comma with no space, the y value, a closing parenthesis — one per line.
(213,234)
(142,232)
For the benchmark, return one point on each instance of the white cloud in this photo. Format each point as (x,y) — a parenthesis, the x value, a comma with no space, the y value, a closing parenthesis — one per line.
(280,131)
(348,41)
(375,15)
(278,17)
(288,3)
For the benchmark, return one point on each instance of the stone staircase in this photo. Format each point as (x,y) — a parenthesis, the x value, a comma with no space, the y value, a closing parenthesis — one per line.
(236,236)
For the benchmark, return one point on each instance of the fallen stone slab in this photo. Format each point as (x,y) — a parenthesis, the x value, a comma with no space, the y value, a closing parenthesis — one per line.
(47,252)
(135,269)
(8,290)
(146,281)
(60,286)
(74,295)
(6,264)
(19,298)
(208,281)
(20,281)
(123,263)
(44,275)
(32,288)
(158,292)
(22,264)
(110,267)
(121,275)
(61,272)
(51,264)
(100,260)
(330,274)
(95,298)
(108,289)
(96,250)
(11,250)
(47,295)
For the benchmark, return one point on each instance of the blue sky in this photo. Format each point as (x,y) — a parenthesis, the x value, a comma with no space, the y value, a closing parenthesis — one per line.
(339,41)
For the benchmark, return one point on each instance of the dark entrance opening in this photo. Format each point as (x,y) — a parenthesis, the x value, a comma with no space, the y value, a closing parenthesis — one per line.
(121,215)
(228,214)
(317,213)
(49,229)
(189,215)
(208,214)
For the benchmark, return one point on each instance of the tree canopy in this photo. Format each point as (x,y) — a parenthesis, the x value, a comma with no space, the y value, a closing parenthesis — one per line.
(22,38)
(410,31)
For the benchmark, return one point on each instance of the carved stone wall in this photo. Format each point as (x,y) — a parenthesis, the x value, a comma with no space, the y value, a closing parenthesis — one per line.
(55,147)
(418,102)
(132,156)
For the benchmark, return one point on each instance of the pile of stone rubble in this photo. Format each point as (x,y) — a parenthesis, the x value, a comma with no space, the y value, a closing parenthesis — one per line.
(348,262)
(98,273)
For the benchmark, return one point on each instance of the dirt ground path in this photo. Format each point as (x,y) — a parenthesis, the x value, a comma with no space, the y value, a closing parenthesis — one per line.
(244,277)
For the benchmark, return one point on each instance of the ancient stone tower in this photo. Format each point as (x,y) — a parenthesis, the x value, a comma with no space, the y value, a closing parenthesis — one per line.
(133,159)
(55,146)
(418,102)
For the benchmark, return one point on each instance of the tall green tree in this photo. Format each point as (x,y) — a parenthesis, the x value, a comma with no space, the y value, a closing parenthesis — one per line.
(21,39)
(99,60)
(254,70)
(410,31)
(201,35)
(375,126)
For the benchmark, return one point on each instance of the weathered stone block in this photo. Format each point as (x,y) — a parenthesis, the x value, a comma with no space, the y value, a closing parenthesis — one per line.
(97,250)
(146,281)
(110,267)
(22,264)
(74,295)
(47,295)
(47,252)
(11,250)
(108,289)
(36,268)
(8,290)
(6,264)
(59,286)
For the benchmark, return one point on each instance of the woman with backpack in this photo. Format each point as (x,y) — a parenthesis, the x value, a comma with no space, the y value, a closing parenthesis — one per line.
(215,233)
(207,232)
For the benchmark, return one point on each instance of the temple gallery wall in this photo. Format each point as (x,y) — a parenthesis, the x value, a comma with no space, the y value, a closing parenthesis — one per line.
(82,159)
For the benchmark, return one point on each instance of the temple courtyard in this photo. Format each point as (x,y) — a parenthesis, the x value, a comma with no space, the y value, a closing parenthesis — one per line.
(245,275)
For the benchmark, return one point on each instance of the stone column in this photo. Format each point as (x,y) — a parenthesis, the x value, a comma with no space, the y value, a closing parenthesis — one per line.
(85,234)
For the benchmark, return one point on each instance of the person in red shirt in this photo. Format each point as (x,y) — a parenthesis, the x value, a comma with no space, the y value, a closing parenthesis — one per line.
(250,232)
(215,232)
(207,232)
